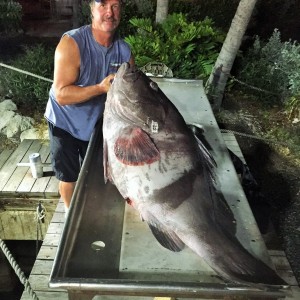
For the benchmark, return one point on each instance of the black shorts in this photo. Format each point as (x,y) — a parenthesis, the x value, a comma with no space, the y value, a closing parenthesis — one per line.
(67,153)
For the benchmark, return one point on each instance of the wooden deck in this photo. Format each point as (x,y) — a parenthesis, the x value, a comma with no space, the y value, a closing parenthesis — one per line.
(41,271)
(20,193)
(18,181)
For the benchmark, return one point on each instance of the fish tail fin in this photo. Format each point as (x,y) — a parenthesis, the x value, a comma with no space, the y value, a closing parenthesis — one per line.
(236,264)
(257,272)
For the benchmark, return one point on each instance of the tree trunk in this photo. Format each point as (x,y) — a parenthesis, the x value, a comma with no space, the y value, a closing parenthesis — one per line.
(161,10)
(216,83)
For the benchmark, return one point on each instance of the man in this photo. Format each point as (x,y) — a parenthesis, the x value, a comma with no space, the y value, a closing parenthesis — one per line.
(84,63)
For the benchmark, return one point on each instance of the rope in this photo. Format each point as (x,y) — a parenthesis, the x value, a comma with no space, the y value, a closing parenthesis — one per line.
(25,72)
(256,137)
(40,212)
(18,271)
(252,86)
(40,218)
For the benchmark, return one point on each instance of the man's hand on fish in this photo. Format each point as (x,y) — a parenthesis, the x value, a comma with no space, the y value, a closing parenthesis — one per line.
(105,84)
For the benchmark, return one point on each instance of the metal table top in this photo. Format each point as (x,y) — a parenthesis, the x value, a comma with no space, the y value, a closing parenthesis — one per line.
(106,249)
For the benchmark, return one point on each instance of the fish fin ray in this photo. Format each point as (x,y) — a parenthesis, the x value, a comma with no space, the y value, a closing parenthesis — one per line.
(168,240)
(134,147)
(105,161)
(205,149)
(166,237)
(221,208)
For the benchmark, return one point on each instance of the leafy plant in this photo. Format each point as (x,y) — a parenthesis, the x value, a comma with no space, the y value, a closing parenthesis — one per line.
(10,16)
(274,66)
(85,13)
(188,48)
(222,11)
(28,91)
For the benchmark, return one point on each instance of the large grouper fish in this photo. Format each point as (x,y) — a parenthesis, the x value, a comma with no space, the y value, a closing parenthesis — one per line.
(162,169)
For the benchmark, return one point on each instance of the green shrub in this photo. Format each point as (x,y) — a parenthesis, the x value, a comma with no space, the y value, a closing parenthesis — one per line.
(273,66)
(27,91)
(10,16)
(85,13)
(188,48)
(222,11)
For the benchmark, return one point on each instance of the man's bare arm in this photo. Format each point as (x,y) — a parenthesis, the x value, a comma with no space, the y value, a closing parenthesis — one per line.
(66,73)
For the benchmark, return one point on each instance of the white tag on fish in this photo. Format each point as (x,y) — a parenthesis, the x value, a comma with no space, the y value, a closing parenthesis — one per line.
(154,127)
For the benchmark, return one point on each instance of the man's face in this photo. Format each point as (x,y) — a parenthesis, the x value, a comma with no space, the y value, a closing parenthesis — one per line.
(106,15)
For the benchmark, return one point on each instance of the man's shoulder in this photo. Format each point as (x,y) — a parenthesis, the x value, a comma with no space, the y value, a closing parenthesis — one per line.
(77,31)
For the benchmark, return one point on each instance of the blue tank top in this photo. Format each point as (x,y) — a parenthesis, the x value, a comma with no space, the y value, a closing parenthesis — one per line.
(97,62)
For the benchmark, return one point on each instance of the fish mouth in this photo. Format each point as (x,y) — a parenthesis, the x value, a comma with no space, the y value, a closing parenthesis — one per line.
(128,72)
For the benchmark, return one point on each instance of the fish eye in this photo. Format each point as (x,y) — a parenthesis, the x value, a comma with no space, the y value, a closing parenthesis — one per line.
(154,86)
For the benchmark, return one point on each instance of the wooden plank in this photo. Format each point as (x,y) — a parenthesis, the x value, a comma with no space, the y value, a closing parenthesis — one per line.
(28,181)
(52,188)
(28,204)
(4,155)
(59,295)
(18,181)
(55,228)
(41,270)
(9,167)
(19,172)
(58,217)
(60,206)
(42,267)
(51,239)
(22,225)
(47,252)
(41,183)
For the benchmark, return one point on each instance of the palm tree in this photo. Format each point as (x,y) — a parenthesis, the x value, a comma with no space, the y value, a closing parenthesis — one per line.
(216,83)
(161,10)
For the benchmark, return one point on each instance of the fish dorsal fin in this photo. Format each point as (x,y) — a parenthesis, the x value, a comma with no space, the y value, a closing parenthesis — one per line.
(134,147)
(168,239)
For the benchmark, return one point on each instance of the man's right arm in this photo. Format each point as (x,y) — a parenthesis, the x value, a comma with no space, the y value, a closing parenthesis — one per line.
(66,73)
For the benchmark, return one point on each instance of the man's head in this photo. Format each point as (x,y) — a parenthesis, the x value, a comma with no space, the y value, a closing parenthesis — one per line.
(106,14)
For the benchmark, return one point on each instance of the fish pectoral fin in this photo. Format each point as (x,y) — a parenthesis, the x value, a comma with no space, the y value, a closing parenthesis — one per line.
(134,147)
(168,239)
